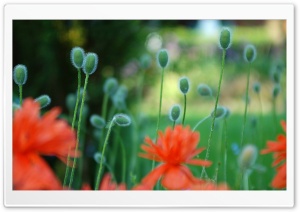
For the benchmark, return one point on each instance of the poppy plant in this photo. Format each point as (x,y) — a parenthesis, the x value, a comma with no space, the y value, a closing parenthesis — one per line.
(174,149)
(33,136)
(279,153)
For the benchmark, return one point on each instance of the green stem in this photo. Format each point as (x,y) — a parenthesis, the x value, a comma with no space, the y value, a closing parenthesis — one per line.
(78,130)
(173,124)
(73,124)
(225,150)
(102,155)
(275,115)
(20,94)
(184,109)
(123,159)
(215,111)
(159,111)
(200,122)
(246,105)
(246,181)
(104,106)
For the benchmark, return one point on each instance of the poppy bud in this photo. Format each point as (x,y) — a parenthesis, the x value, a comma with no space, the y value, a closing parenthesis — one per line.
(250,53)
(174,112)
(110,86)
(247,157)
(163,58)
(97,121)
(90,63)
(122,120)
(204,90)
(43,100)
(256,87)
(184,85)
(77,57)
(227,112)
(98,156)
(276,90)
(145,61)
(20,74)
(220,113)
(71,101)
(225,38)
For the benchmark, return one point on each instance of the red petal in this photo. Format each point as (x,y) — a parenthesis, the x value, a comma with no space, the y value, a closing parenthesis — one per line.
(199,162)
(151,179)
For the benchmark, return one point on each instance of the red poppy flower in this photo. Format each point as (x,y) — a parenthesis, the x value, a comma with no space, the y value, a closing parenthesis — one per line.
(174,149)
(34,136)
(106,184)
(279,153)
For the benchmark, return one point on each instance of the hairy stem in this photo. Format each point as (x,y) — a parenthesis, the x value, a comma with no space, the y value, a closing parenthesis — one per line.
(246,106)
(184,109)
(73,124)
(78,129)
(102,156)
(215,111)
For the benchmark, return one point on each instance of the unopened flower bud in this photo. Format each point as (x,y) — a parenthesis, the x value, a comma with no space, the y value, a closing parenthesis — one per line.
(225,38)
(256,87)
(43,100)
(122,120)
(204,90)
(220,112)
(97,121)
(174,112)
(110,86)
(184,85)
(163,58)
(20,74)
(77,57)
(90,63)
(276,90)
(250,53)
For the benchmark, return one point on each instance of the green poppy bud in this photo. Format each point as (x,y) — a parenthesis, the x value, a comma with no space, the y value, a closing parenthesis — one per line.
(250,53)
(184,85)
(20,74)
(90,63)
(204,90)
(174,112)
(256,87)
(122,120)
(220,113)
(110,86)
(163,58)
(97,121)
(145,61)
(43,100)
(276,90)
(77,57)
(225,38)
(98,156)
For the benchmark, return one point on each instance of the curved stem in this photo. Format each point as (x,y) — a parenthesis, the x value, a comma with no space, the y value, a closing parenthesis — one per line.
(246,105)
(20,94)
(102,155)
(73,124)
(200,122)
(184,109)
(78,129)
(159,110)
(274,114)
(215,111)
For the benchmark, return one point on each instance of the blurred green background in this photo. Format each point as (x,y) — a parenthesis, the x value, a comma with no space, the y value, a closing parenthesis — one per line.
(44,47)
